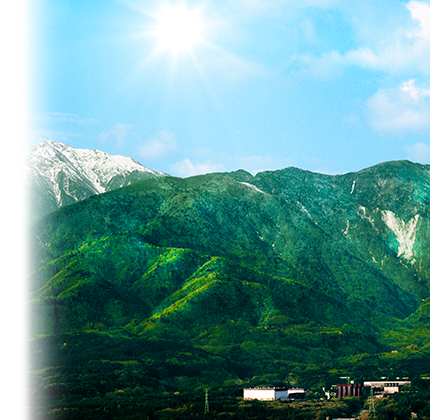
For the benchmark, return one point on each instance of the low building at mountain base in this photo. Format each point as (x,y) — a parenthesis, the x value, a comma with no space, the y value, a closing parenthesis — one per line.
(345,390)
(385,388)
(274,393)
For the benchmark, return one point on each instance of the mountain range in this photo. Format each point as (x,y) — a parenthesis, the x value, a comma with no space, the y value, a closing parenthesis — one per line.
(59,175)
(231,280)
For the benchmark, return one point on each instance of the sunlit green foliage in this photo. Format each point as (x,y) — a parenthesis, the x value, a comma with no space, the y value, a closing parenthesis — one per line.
(175,285)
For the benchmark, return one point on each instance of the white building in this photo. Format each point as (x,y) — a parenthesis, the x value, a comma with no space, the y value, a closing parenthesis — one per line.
(272,394)
(382,388)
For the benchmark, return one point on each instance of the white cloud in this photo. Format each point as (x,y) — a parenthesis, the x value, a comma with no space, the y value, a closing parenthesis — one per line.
(186,168)
(406,107)
(205,161)
(416,93)
(401,50)
(156,147)
(406,50)
(118,134)
(419,152)
(421,11)
(402,47)
(252,164)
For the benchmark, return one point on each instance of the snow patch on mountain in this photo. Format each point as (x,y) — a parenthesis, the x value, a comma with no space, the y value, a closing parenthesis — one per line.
(405,232)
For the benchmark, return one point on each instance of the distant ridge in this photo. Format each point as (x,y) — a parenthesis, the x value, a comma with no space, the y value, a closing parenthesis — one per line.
(60,175)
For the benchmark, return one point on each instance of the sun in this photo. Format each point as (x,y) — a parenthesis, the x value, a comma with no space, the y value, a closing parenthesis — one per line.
(178,28)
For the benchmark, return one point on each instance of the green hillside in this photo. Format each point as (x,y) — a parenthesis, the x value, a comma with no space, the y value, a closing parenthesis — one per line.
(229,280)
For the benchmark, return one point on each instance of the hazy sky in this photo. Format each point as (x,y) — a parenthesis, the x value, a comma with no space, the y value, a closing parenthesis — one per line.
(326,85)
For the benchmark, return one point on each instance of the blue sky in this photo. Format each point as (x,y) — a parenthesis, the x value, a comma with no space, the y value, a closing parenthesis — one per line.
(324,85)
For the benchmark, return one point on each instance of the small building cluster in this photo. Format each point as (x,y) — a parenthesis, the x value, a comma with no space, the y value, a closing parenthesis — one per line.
(274,393)
(379,388)
(384,388)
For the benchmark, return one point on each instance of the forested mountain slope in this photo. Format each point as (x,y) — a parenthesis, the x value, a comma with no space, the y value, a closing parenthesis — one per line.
(365,241)
(288,276)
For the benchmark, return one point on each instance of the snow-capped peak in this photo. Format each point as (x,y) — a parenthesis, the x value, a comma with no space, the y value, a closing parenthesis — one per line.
(66,175)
